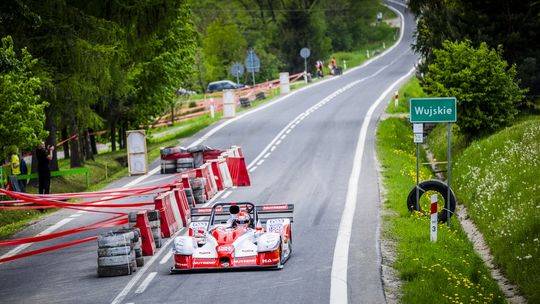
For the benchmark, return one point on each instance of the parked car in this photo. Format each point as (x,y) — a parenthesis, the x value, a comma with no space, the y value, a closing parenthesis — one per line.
(221,85)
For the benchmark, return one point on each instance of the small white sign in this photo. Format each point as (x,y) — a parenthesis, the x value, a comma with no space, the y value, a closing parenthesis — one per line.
(418,128)
(418,138)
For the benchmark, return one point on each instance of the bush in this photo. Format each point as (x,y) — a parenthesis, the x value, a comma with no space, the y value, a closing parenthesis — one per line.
(486,89)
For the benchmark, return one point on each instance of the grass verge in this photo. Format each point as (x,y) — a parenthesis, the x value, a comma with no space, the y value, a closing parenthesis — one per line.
(498,181)
(446,271)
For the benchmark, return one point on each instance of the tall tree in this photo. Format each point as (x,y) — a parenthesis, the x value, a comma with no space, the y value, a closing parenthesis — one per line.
(513,24)
(21,107)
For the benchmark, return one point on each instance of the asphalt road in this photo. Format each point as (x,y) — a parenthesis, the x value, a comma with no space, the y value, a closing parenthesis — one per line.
(302,149)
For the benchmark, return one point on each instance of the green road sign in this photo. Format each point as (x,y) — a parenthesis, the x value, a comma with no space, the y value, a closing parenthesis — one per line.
(442,109)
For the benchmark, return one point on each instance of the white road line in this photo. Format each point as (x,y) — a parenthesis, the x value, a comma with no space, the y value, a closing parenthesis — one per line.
(283,137)
(76,215)
(278,142)
(260,162)
(338,285)
(59,224)
(340,263)
(288,131)
(272,149)
(252,169)
(166,258)
(146,282)
(141,271)
(228,193)
(267,154)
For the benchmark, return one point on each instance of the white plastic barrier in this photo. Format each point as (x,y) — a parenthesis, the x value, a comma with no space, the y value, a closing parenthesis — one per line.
(284,85)
(229,106)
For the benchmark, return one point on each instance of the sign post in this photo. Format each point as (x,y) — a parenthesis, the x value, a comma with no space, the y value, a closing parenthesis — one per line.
(253,64)
(432,110)
(137,153)
(304,53)
(237,70)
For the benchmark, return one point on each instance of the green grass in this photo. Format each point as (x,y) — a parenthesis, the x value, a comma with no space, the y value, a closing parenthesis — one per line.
(447,271)
(498,179)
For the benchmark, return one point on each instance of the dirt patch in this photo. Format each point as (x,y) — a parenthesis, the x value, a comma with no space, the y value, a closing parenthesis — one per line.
(389,276)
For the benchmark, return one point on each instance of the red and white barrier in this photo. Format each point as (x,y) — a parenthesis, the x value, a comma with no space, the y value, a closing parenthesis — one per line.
(148,244)
(181,201)
(238,170)
(169,225)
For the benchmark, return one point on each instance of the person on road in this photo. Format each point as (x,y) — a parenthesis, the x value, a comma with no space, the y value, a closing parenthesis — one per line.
(44,172)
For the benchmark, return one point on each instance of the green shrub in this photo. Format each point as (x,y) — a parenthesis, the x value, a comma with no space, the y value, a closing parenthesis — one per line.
(486,89)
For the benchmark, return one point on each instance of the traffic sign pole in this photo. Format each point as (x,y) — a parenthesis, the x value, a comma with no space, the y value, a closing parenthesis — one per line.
(443,109)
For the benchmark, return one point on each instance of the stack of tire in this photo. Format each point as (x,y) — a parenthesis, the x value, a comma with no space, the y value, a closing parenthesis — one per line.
(119,252)
(260,96)
(155,225)
(184,164)
(189,195)
(197,186)
(169,165)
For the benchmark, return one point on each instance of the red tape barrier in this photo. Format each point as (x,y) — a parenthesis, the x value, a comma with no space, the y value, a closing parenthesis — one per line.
(42,250)
(110,222)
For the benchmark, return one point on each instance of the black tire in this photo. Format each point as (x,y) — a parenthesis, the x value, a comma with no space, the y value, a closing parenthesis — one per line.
(107,241)
(155,224)
(113,251)
(114,260)
(139,261)
(130,231)
(439,187)
(113,271)
(158,241)
(190,200)
(132,217)
(188,192)
(153,215)
(200,199)
(156,233)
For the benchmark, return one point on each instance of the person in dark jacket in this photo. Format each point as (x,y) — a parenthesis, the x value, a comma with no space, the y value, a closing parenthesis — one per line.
(44,172)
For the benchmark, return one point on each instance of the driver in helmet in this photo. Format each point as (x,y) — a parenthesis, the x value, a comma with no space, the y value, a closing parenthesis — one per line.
(242,220)
(238,218)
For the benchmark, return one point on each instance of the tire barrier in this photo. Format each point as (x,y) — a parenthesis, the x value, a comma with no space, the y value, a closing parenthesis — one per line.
(116,255)
(439,187)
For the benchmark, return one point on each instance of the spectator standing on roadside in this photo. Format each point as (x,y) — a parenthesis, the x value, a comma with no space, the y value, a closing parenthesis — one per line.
(44,172)
(24,170)
(13,164)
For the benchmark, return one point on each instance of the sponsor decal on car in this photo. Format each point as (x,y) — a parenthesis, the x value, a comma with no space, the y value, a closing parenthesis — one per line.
(204,262)
(248,261)
(275,207)
(225,249)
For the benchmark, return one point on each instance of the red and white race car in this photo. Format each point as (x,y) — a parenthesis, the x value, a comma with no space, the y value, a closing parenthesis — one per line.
(235,235)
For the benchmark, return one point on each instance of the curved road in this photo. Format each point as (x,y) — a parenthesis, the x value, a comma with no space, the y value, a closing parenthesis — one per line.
(313,148)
